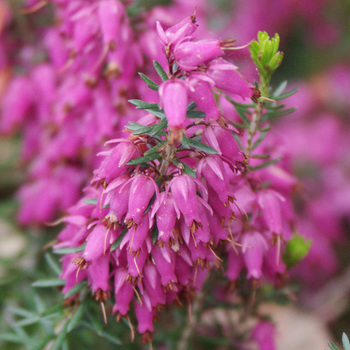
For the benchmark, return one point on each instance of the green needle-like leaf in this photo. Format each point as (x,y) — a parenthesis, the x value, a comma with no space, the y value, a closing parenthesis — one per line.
(156,148)
(76,289)
(56,282)
(150,83)
(74,321)
(346,342)
(266,164)
(160,71)
(144,159)
(143,104)
(69,250)
(53,264)
(116,244)
(90,201)
(61,338)
(202,146)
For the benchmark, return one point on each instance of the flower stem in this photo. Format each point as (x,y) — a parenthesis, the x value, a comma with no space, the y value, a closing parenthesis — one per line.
(253,127)
(192,323)
(169,156)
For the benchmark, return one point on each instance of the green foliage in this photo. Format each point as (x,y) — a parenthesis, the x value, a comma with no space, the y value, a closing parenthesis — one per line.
(265,52)
(297,248)
(345,341)
(267,57)
(160,71)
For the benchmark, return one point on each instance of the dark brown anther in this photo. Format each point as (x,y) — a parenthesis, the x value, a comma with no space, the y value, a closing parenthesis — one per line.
(256,95)
(82,264)
(112,46)
(228,43)
(146,337)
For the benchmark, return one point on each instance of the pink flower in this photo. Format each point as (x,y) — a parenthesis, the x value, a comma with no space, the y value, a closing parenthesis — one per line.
(227,78)
(138,204)
(254,248)
(264,335)
(191,54)
(178,31)
(174,101)
(200,91)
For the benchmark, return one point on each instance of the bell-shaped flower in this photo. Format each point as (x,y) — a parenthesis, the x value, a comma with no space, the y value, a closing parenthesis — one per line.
(16,103)
(183,270)
(264,335)
(223,141)
(85,29)
(123,291)
(270,206)
(142,190)
(98,274)
(69,272)
(200,91)
(235,264)
(136,235)
(189,55)
(153,285)
(218,232)
(110,14)
(254,248)
(183,189)
(164,261)
(165,211)
(115,161)
(137,261)
(212,168)
(118,198)
(99,242)
(144,314)
(174,101)
(178,31)
(227,78)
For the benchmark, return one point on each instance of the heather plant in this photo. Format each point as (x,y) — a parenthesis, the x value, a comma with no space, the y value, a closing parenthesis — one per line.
(191,195)
(190,207)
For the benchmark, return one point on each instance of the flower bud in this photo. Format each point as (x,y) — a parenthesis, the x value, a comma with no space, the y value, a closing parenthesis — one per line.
(254,247)
(189,55)
(174,101)
(226,78)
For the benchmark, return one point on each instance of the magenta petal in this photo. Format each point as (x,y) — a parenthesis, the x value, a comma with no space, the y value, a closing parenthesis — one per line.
(191,54)
(138,204)
(226,78)
(254,248)
(201,93)
(174,101)
(98,274)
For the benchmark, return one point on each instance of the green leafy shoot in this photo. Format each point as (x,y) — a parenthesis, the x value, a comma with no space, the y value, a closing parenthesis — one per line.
(143,104)
(55,282)
(160,71)
(69,250)
(150,83)
(266,164)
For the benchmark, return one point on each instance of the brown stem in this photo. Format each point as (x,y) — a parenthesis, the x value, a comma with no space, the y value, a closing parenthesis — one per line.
(192,323)
(169,156)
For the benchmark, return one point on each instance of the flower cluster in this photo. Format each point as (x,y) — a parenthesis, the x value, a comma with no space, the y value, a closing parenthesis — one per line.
(178,196)
(71,96)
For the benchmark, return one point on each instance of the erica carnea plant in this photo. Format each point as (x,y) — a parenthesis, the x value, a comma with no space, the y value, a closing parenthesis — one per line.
(193,195)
